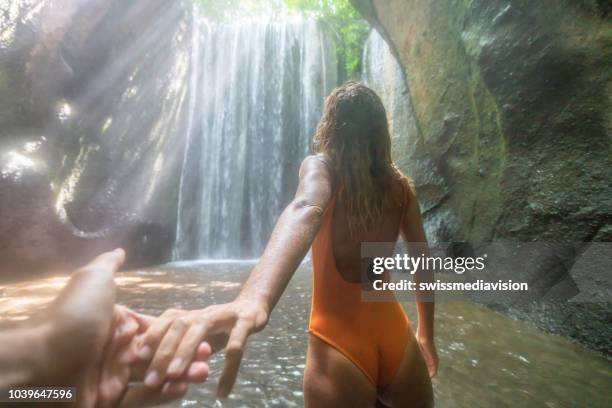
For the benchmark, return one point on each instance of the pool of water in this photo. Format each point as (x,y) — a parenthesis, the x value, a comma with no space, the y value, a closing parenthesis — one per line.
(486,358)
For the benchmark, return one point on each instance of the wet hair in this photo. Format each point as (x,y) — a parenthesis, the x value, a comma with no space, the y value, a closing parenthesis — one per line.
(354,135)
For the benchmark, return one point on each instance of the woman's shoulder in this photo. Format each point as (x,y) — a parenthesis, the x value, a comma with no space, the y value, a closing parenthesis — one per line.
(318,158)
(405,186)
(316,184)
(404,179)
(316,162)
(316,165)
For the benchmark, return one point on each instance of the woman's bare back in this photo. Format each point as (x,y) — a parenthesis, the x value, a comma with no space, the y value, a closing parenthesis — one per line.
(347,248)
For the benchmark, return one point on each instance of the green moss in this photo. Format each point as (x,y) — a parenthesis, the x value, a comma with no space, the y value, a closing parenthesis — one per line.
(226,10)
(351,27)
(339,14)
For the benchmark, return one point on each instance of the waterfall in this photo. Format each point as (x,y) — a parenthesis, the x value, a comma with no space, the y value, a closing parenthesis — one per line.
(257,90)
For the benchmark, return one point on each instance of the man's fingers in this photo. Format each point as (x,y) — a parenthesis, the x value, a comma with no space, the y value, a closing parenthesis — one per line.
(127,330)
(149,341)
(173,390)
(186,350)
(155,334)
(144,321)
(144,396)
(122,341)
(117,356)
(165,352)
(197,372)
(233,356)
(204,351)
(110,393)
(125,335)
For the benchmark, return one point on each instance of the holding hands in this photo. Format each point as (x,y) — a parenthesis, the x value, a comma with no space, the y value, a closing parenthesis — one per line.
(139,360)
(84,340)
(121,373)
(174,339)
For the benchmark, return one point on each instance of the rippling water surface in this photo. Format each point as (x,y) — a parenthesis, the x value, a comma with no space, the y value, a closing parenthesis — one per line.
(486,359)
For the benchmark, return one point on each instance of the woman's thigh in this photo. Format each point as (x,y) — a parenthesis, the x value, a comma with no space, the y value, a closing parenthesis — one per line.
(411,386)
(332,380)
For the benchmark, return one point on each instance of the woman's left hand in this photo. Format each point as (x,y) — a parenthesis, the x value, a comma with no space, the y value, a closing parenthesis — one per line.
(430,354)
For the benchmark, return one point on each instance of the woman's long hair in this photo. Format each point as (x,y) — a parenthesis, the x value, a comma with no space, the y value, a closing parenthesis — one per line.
(354,135)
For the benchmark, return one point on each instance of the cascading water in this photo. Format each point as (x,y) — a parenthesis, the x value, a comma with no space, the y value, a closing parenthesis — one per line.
(257,91)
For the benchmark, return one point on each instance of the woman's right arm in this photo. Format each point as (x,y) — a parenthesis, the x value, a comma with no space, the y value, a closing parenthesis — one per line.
(414,234)
(171,342)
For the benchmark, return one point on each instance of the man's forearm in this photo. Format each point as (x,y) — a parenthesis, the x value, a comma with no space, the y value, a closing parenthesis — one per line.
(21,352)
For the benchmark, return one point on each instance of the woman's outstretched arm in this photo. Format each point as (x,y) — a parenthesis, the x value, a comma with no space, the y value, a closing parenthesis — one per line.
(292,236)
(172,340)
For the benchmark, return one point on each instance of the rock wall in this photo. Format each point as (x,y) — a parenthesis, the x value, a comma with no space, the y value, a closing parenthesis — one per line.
(92,113)
(512,102)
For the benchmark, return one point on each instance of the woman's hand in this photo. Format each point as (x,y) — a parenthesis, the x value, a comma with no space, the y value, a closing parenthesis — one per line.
(173,339)
(430,355)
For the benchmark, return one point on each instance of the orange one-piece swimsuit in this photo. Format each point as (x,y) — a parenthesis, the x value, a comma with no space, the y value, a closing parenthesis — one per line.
(373,335)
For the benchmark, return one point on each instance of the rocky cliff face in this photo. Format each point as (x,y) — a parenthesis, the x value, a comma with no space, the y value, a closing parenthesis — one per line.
(512,139)
(91,129)
(512,103)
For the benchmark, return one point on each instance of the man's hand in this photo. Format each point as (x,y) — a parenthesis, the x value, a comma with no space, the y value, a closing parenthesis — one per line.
(80,320)
(120,365)
(62,345)
(173,339)
(118,357)
(139,396)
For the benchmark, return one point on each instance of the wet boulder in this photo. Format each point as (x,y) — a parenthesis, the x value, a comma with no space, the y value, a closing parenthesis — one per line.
(512,103)
(92,121)
(40,237)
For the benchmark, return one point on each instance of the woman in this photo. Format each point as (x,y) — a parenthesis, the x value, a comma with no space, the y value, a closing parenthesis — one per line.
(360,354)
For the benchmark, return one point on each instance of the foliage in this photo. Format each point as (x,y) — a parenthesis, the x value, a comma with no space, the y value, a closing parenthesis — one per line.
(226,10)
(340,14)
(346,20)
